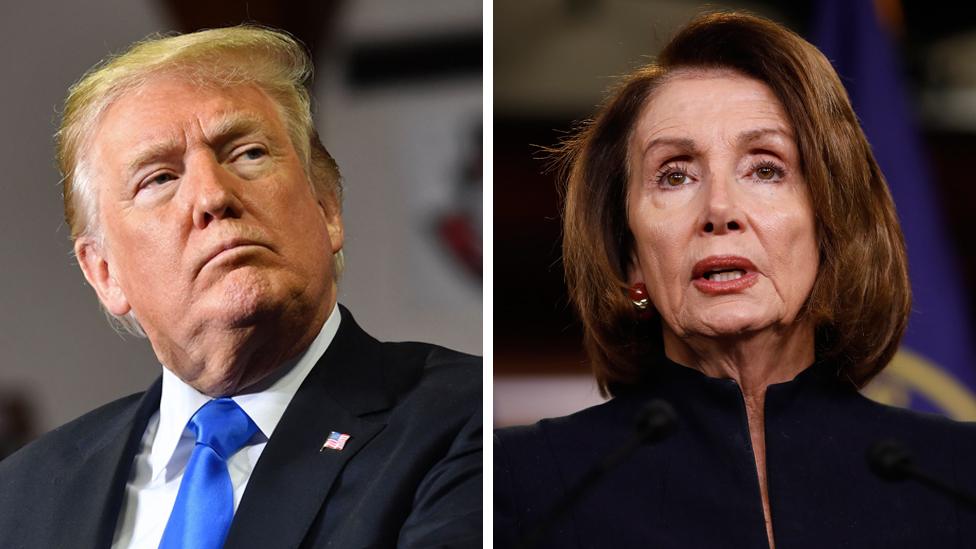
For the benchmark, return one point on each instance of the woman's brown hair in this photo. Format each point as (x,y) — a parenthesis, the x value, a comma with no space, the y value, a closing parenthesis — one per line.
(861,297)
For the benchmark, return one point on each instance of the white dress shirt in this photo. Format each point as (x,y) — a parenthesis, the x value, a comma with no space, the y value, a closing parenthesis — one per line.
(167,443)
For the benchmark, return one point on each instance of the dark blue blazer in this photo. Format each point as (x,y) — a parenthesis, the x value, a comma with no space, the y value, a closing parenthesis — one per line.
(410,474)
(699,488)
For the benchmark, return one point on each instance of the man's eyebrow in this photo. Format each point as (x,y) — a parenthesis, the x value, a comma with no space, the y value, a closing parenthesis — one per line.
(225,129)
(234,125)
(149,153)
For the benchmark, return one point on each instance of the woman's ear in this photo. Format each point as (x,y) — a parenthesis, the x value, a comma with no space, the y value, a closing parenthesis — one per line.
(637,290)
(634,273)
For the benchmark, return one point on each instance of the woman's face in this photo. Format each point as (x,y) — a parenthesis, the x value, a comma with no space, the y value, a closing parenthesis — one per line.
(724,231)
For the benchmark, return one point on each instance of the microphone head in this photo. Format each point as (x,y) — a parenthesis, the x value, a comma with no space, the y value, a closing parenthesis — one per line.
(655,421)
(890,460)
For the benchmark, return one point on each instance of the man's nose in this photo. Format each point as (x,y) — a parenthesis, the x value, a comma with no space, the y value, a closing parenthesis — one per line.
(722,207)
(214,192)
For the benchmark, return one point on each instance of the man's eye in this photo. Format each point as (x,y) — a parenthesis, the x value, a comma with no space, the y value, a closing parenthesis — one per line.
(255,153)
(159,179)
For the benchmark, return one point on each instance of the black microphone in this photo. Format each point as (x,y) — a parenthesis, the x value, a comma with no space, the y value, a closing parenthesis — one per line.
(655,422)
(892,461)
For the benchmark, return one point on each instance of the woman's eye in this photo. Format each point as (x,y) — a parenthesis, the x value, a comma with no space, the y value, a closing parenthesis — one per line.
(767,171)
(672,176)
(676,178)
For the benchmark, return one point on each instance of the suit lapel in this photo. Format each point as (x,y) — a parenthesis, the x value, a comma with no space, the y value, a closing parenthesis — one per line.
(290,482)
(94,489)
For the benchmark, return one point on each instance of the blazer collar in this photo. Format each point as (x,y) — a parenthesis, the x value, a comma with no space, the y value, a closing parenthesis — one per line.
(287,487)
(289,483)
(663,371)
(99,479)
(352,370)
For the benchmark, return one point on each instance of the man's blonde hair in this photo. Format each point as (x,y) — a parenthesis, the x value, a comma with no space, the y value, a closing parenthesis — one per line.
(243,55)
(271,60)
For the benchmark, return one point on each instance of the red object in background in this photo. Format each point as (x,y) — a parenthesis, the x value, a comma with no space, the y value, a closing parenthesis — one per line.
(463,240)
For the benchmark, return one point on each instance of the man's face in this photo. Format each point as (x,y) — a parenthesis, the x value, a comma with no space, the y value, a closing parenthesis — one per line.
(211,229)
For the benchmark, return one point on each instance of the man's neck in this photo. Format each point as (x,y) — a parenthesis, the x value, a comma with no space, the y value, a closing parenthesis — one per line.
(225,362)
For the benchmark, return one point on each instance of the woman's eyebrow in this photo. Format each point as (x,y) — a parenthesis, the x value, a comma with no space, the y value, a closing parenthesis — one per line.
(744,138)
(751,136)
(683,143)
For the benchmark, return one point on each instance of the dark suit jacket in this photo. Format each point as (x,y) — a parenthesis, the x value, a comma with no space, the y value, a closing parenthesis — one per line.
(410,475)
(698,488)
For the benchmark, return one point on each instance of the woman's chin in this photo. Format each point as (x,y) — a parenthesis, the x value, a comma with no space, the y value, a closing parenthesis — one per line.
(730,321)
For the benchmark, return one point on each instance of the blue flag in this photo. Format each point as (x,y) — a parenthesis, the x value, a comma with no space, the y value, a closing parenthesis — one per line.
(934,369)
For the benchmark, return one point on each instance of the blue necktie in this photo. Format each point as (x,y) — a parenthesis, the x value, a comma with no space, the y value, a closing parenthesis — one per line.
(204,506)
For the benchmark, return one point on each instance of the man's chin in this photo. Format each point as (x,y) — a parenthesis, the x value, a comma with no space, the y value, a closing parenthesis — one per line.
(243,296)
(241,315)
(240,311)
(216,388)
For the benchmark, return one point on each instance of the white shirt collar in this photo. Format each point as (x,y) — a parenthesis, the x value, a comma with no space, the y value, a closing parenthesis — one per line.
(265,407)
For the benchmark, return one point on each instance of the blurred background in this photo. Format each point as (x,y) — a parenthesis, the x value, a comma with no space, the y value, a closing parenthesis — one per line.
(398,99)
(909,69)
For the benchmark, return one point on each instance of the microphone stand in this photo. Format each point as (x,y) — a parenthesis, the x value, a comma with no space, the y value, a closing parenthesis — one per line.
(655,422)
(892,461)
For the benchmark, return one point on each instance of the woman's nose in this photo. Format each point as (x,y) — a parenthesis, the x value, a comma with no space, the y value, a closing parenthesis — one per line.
(722,210)
(731,225)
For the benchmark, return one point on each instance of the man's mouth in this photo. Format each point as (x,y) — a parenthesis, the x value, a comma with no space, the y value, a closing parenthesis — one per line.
(226,247)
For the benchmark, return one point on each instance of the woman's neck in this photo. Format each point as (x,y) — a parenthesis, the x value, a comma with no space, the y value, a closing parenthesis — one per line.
(755,360)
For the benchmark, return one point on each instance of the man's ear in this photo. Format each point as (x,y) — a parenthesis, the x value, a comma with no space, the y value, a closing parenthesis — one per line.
(98,271)
(333,220)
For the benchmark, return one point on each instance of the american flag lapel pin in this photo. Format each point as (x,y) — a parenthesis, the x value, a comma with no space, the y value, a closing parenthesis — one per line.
(336,441)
